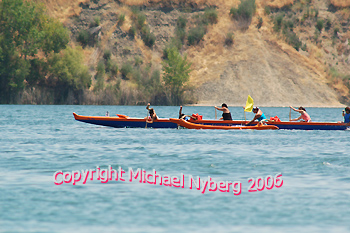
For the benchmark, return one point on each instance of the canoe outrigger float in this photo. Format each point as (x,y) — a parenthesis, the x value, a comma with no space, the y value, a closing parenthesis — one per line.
(190,125)
(291,125)
(122,121)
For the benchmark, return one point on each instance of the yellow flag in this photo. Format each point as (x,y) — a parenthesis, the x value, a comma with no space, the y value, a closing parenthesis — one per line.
(249,104)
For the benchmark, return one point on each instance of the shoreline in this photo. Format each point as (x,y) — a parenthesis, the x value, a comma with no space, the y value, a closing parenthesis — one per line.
(189,105)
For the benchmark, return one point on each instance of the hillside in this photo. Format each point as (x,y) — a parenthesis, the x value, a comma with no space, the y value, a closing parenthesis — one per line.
(260,62)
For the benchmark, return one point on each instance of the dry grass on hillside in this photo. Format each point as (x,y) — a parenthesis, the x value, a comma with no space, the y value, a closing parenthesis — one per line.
(211,57)
(167,2)
(278,3)
(62,9)
(211,53)
(341,3)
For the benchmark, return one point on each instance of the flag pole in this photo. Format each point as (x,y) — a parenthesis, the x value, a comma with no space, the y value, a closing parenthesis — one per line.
(248,106)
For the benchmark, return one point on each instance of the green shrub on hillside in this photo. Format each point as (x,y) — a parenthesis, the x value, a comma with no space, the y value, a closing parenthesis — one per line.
(135,11)
(336,30)
(307,13)
(138,61)
(107,54)
(334,72)
(319,24)
(100,67)
(278,22)
(287,30)
(99,76)
(121,19)
(180,34)
(136,75)
(292,39)
(126,70)
(316,35)
(132,31)
(155,89)
(141,20)
(229,38)
(83,37)
(328,24)
(196,34)
(288,24)
(304,47)
(148,37)
(95,22)
(181,22)
(113,68)
(139,24)
(210,16)
(173,43)
(245,10)
(180,31)
(260,22)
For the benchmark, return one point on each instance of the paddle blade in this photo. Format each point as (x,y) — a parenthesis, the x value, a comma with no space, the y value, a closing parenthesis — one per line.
(249,104)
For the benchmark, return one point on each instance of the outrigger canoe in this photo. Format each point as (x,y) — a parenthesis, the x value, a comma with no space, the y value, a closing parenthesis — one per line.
(190,125)
(122,121)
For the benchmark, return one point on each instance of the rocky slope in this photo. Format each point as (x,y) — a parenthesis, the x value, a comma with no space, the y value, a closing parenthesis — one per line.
(259,63)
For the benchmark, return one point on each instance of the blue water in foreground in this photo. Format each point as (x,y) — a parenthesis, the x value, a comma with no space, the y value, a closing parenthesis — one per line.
(37,141)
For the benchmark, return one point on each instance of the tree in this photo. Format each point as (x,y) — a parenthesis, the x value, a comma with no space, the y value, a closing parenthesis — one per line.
(68,74)
(176,73)
(24,31)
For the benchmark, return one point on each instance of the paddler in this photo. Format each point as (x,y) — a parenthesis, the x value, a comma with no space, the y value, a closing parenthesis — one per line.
(259,115)
(185,117)
(346,115)
(152,114)
(304,116)
(226,114)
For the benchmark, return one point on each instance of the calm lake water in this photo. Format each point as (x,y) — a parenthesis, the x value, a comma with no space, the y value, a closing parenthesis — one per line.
(37,142)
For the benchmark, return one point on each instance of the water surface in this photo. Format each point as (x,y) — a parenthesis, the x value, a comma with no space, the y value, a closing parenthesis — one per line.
(37,141)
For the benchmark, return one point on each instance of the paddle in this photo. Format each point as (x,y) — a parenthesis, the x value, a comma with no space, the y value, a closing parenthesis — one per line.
(215,114)
(290,114)
(146,119)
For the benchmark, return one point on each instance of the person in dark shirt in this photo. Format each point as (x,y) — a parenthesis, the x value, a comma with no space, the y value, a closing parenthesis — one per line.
(226,115)
(346,115)
(152,114)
